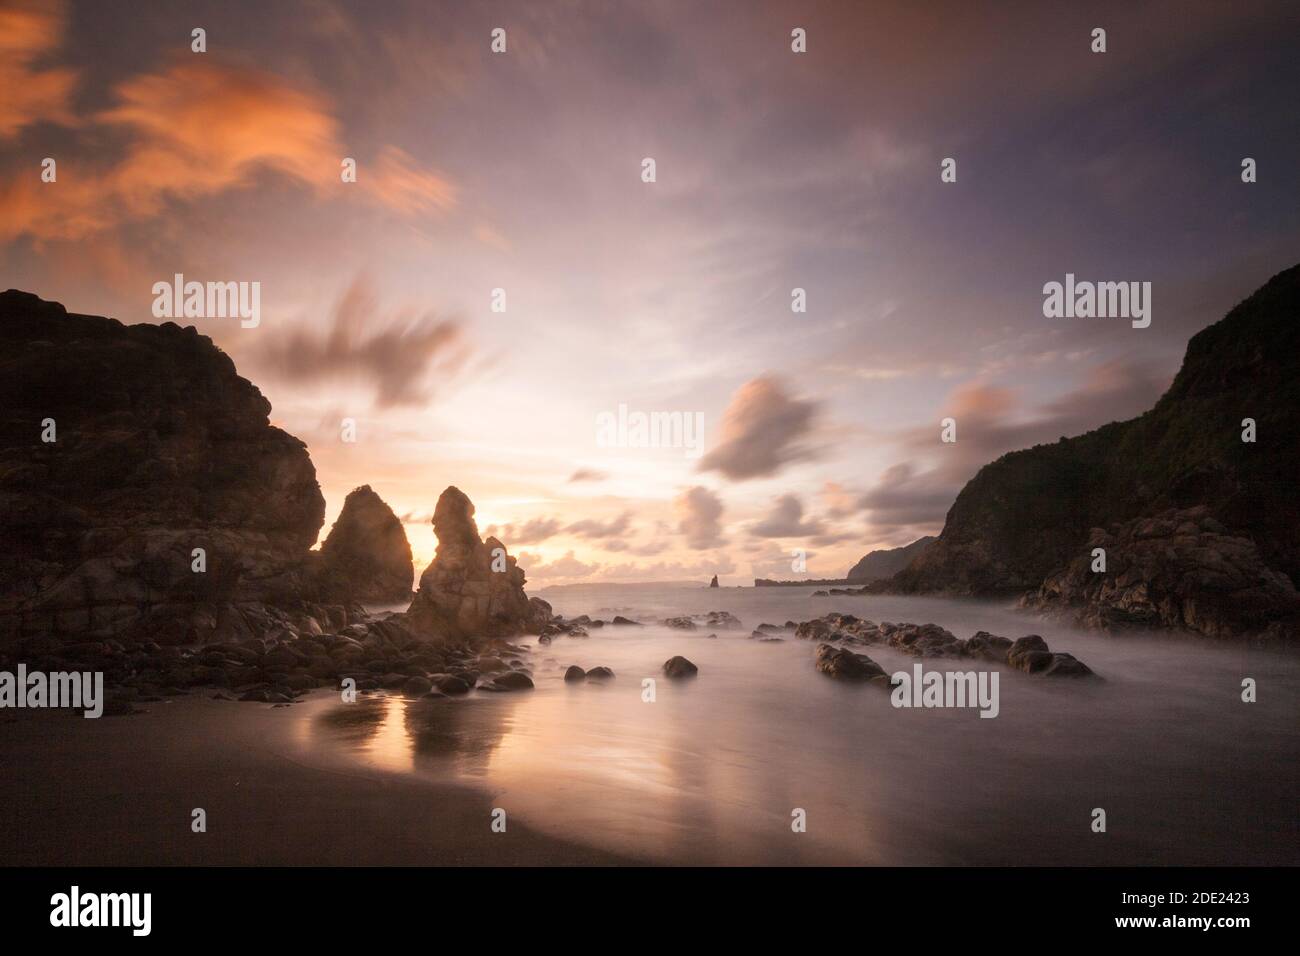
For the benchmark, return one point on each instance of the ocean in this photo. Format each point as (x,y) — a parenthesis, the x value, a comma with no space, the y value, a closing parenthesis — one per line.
(762,759)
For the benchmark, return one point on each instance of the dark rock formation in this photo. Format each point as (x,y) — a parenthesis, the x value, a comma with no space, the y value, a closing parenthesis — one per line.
(679,667)
(510,680)
(574,675)
(366,555)
(721,619)
(846,665)
(472,589)
(988,646)
(887,562)
(161,448)
(1025,522)
(1029,654)
(1177,569)
(714,582)
(599,673)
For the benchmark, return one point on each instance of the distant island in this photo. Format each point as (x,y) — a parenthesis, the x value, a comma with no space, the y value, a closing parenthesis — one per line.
(769,583)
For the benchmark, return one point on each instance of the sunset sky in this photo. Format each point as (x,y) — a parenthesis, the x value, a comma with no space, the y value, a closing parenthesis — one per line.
(775,170)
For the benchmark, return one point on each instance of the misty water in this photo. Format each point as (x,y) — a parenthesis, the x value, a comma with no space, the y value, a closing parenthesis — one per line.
(711,771)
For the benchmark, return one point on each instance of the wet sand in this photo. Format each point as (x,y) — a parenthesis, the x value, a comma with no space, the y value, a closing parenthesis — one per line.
(120,791)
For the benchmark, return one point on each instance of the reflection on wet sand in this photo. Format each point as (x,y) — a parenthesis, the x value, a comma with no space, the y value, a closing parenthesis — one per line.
(437,736)
(714,768)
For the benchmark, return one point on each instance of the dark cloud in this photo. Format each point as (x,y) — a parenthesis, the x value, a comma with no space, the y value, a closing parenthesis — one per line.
(763,429)
(564,567)
(591,528)
(905,497)
(529,532)
(398,355)
(588,474)
(699,512)
(785,520)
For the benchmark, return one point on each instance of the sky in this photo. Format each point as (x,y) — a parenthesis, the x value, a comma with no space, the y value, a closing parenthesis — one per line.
(774,170)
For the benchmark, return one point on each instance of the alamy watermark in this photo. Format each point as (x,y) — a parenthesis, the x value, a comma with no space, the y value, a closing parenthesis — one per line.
(631,429)
(75,908)
(1101,300)
(208,300)
(74,689)
(923,688)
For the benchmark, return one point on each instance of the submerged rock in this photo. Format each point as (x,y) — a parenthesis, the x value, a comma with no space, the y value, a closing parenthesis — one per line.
(844,664)
(574,674)
(511,680)
(1029,654)
(988,646)
(679,667)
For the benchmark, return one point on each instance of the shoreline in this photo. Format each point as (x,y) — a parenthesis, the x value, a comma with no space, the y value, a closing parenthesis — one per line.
(123,796)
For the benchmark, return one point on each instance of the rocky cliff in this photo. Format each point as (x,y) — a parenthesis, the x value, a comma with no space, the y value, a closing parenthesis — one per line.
(139,476)
(1223,510)
(366,556)
(887,562)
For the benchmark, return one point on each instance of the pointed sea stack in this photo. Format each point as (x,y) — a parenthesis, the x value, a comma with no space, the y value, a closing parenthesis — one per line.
(473,588)
(366,555)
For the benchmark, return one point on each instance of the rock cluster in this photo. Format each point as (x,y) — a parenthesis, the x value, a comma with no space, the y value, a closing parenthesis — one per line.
(844,664)
(280,667)
(713,619)
(1179,569)
(1029,654)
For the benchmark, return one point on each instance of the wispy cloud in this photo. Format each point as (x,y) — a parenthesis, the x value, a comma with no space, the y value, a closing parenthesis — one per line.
(397,355)
(763,429)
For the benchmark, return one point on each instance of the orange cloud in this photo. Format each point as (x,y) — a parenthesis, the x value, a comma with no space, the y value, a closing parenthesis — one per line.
(400,184)
(27,95)
(199,128)
(202,127)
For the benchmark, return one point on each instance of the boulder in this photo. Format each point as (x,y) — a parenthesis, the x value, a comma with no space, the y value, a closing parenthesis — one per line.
(1029,654)
(841,663)
(511,680)
(574,674)
(988,647)
(679,667)
(450,683)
